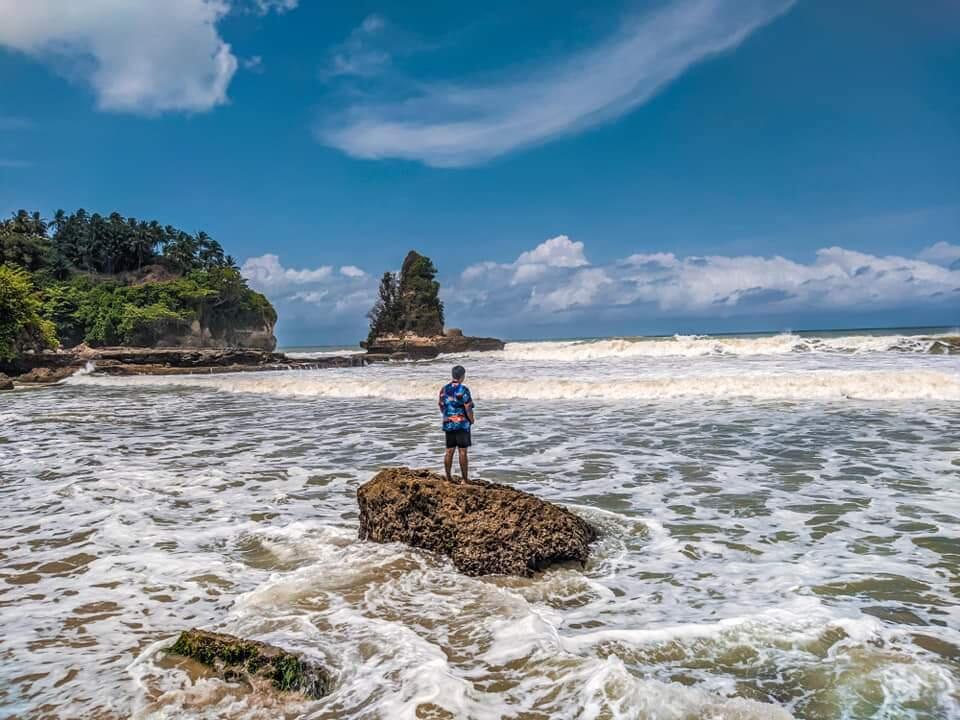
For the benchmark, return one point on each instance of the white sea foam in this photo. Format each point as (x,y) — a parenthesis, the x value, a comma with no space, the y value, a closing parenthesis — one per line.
(798,553)
(703,346)
(318,354)
(828,386)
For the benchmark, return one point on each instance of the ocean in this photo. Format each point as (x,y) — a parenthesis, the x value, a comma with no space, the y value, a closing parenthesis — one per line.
(779,517)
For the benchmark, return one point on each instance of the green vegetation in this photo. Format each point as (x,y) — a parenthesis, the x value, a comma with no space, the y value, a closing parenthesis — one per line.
(114,280)
(21,325)
(238,659)
(409,303)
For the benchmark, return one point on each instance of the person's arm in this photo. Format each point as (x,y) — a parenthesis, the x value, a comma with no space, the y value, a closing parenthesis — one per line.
(468,406)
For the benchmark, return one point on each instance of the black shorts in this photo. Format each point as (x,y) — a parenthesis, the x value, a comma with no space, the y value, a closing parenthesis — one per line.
(458,439)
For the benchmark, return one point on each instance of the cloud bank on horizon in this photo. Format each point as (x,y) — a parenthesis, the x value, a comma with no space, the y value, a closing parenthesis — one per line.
(446,124)
(554,283)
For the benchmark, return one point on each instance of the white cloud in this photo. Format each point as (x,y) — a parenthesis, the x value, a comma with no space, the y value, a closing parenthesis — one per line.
(319,297)
(137,55)
(581,289)
(449,125)
(555,252)
(141,56)
(706,286)
(314,296)
(941,253)
(267,274)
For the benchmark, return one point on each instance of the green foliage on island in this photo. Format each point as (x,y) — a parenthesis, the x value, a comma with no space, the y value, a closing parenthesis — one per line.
(115,280)
(22,327)
(409,303)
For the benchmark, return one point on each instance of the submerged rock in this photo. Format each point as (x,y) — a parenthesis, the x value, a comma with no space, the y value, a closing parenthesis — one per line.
(483,527)
(237,659)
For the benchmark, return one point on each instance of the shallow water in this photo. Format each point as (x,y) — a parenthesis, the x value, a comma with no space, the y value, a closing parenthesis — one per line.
(780,537)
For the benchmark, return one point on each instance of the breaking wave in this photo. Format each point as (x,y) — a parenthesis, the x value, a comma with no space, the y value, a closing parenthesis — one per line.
(857,385)
(701,346)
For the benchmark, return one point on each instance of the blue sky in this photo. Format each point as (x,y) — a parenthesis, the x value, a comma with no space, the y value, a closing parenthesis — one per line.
(572,168)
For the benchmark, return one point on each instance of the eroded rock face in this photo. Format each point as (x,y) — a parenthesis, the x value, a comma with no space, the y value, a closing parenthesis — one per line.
(256,663)
(485,528)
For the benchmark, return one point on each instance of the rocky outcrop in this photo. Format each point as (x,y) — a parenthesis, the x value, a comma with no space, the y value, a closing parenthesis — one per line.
(406,322)
(53,366)
(483,527)
(5,382)
(417,347)
(945,345)
(256,663)
(45,375)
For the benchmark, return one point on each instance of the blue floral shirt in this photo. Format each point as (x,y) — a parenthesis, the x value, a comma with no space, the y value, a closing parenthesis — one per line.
(454,399)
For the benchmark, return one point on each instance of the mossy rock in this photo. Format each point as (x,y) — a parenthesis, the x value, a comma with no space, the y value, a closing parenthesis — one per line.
(237,659)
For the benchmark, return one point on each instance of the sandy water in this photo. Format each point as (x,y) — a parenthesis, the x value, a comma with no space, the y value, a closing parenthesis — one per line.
(780,526)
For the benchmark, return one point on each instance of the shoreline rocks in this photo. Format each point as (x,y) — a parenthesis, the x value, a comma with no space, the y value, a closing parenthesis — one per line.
(54,366)
(418,347)
(484,528)
(239,660)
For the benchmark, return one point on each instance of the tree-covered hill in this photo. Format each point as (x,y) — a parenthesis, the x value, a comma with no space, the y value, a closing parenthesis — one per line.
(114,280)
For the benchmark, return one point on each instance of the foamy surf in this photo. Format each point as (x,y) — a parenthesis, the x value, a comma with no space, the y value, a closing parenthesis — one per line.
(707,346)
(824,386)
(777,540)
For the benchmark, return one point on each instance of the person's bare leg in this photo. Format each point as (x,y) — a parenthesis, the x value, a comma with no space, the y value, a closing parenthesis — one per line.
(464,464)
(448,463)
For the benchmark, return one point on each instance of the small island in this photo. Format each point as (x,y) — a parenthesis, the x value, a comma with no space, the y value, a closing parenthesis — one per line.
(407,323)
(130,296)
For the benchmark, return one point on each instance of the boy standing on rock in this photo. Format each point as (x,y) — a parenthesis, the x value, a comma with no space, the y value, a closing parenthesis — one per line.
(456,405)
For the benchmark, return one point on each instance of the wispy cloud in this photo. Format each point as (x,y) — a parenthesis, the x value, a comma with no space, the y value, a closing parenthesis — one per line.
(8,163)
(279,6)
(449,125)
(362,54)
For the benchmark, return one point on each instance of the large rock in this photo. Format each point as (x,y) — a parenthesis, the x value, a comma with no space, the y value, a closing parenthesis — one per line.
(419,347)
(46,375)
(256,663)
(5,382)
(483,527)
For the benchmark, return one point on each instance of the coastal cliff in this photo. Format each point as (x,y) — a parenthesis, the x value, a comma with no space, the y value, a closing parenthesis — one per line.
(407,320)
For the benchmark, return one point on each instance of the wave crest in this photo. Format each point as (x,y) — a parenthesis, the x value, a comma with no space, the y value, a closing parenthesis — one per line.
(823,386)
(704,345)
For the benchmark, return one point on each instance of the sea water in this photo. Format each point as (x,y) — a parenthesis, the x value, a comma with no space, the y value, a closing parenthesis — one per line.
(779,523)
